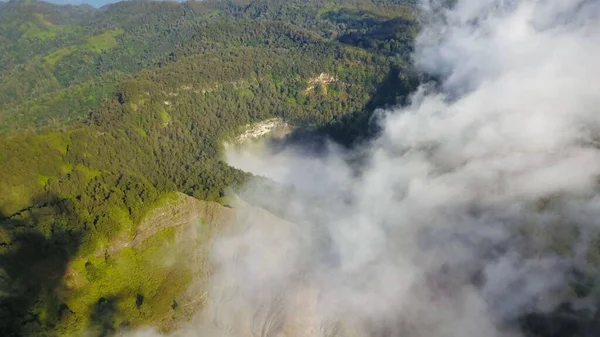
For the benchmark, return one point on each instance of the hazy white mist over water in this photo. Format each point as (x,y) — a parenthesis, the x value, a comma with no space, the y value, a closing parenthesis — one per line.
(477,200)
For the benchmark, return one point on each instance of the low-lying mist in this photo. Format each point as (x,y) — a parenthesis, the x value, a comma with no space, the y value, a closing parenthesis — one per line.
(476,214)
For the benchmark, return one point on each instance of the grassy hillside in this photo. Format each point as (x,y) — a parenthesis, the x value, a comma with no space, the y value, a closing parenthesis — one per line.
(145,278)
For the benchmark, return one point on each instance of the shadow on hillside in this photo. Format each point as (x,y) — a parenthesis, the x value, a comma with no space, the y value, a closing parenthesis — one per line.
(565,320)
(103,319)
(367,30)
(359,126)
(35,247)
(390,37)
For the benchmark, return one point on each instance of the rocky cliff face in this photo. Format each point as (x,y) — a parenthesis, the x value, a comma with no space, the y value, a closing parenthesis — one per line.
(276,127)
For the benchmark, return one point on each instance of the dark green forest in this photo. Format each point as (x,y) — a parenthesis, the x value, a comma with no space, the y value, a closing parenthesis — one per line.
(104,113)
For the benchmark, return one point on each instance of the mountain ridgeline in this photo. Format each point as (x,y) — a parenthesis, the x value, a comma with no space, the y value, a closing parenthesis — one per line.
(106,113)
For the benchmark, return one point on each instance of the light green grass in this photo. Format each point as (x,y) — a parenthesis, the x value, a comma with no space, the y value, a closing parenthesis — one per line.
(38,28)
(43,180)
(104,41)
(224,201)
(53,57)
(66,168)
(89,173)
(58,141)
(164,116)
(43,21)
(32,31)
(132,272)
(96,44)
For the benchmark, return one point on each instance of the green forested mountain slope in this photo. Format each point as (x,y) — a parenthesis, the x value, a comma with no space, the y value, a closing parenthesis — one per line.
(56,68)
(104,114)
